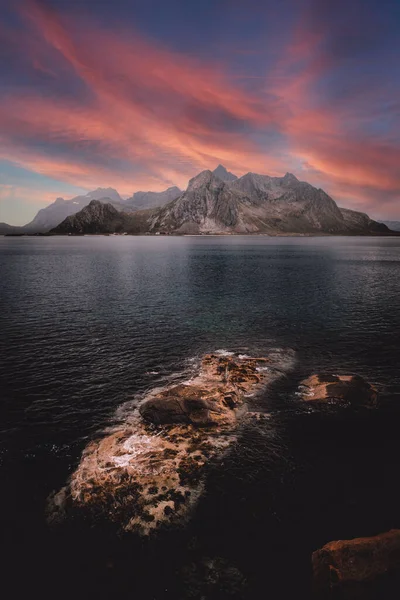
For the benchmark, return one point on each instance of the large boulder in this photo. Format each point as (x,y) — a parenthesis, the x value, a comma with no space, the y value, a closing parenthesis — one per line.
(351,389)
(190,404)
(359,568)
(213,398)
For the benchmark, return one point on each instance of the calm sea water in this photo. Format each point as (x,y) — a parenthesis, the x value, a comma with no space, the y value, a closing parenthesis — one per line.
(88,322)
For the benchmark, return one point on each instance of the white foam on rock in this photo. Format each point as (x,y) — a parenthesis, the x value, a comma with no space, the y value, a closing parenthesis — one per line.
(135,446)
(224,352)
(133,453)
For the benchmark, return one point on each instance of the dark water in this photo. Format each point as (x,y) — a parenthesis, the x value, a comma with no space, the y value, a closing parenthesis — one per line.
(88,323)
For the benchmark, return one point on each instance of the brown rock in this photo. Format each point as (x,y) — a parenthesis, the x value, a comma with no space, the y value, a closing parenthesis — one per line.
(355,568)
(349,388)
(148,473)
(212,398)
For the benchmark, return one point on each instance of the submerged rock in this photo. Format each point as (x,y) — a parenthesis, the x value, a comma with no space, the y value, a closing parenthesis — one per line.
(150,471)
(349,388)
(353,568)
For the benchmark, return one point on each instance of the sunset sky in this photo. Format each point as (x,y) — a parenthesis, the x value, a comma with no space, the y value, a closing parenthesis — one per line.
(144,94)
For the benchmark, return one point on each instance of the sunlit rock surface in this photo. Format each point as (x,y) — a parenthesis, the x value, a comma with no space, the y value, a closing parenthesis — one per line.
(149,471)
(348,388)
(353,568)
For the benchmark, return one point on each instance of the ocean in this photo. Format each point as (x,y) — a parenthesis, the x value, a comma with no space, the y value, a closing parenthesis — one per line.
(88,324)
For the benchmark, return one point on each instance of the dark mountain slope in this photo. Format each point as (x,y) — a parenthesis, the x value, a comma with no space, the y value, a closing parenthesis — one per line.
(393,225)
(97,217)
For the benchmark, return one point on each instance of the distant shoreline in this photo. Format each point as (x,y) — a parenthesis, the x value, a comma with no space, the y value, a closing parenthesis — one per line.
(201,235)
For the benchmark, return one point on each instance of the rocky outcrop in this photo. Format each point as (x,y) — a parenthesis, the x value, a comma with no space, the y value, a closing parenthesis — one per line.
(212,399)
(149,471)
(349,569)
(351,389)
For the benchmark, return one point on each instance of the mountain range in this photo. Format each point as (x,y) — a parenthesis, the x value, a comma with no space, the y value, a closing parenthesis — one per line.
(215,202)
(218,202)
(49,217)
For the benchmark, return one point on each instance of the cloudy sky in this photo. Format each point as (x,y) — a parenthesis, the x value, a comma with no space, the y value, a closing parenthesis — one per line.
(144,94)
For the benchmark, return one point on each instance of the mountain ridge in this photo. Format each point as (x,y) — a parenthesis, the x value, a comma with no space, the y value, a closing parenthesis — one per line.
(250,204)
(223,174)
(143,200)
(393,225)
(52,215)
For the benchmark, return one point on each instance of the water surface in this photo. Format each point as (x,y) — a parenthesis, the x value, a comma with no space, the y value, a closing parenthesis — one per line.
(89,322)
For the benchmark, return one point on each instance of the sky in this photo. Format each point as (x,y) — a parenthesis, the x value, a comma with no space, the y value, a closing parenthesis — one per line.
(144,94)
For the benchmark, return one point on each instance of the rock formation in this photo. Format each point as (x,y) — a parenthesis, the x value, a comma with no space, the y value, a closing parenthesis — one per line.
(351,389)
(149,471)
(349,569)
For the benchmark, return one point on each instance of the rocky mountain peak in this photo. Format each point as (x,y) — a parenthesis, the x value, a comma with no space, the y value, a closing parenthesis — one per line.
(100,193)
(143,200)
(96,217)
(203,178)
(289,178)
(223,174)
(96,205)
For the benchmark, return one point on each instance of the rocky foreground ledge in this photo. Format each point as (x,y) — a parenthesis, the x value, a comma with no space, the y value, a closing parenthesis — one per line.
(358,568)
(150,471)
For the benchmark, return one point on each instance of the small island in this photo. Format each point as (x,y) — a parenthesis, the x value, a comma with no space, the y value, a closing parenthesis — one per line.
(149,471)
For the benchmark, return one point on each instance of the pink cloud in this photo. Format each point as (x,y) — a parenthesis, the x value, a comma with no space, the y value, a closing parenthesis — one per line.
(170,115)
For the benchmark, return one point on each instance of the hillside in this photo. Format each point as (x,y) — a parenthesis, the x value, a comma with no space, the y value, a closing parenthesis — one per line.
(100,218)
